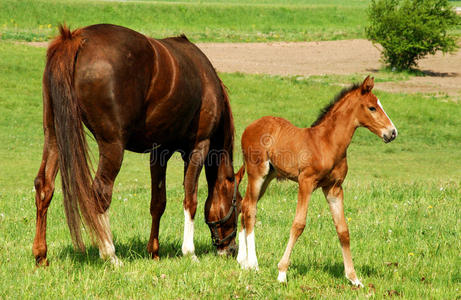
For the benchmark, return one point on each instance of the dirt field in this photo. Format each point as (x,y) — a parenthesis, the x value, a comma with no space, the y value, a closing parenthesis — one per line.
(443,72)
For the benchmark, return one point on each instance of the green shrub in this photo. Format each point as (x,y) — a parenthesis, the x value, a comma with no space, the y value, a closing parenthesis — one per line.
(410,29)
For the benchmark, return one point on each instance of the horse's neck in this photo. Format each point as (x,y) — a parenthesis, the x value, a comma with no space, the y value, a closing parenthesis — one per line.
(337,130)
(225,169)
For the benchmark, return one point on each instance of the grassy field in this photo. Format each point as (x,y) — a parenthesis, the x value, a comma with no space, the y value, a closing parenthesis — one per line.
(200,20)
(273,20)
(402,205)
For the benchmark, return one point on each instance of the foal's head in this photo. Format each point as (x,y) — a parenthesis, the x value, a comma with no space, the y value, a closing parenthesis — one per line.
(371,114)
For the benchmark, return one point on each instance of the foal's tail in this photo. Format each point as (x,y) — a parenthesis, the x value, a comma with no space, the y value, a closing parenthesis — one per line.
(70,135)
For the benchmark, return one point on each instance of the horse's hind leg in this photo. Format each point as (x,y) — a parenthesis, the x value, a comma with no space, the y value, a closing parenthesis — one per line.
(158,166)
(110,161)
(194,164)
(334,196)
(44,183)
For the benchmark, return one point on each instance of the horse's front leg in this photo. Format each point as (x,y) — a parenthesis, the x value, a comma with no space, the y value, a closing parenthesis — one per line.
(158,164)
(306,187)
(334,195)
(193,166)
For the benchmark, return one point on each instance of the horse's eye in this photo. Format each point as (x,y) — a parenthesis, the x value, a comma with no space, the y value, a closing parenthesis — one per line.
(372,108)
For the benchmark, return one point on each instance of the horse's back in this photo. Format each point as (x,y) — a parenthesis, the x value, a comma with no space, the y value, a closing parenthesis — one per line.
(193,88)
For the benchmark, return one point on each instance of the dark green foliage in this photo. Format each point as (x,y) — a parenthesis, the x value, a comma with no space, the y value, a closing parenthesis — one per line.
(410,29)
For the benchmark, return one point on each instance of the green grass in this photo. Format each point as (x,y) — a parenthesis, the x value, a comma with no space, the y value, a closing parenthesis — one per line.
(402,203)
(200,21)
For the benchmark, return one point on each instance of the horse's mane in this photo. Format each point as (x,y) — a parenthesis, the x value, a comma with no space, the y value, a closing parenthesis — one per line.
(182,37)
(324,111)
(228,122)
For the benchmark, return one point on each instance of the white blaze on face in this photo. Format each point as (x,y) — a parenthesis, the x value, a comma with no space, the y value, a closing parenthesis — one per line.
(392,124)
(188,240)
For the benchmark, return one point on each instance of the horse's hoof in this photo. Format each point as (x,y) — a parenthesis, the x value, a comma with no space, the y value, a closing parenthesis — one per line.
(41,262)
(155,257)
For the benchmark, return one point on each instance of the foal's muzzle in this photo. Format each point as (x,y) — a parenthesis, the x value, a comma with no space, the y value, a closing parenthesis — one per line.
(390,135)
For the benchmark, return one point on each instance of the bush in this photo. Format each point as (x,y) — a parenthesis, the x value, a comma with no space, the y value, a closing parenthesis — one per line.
(410,29)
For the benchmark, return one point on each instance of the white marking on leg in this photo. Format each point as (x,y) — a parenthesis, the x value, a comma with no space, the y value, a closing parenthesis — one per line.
(242,254)
(282,277)
(188,247)
(252,259)
(106,246)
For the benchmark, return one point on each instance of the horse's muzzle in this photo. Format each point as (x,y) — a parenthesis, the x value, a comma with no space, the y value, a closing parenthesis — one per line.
(230,250)
(390,135)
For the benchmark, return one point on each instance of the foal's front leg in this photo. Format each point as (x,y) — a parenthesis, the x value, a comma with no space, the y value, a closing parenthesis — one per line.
(306,187)
(334,195)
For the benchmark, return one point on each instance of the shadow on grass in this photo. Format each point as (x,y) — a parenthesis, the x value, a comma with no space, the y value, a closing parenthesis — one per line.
(134,249)
(414,72)
(334,269)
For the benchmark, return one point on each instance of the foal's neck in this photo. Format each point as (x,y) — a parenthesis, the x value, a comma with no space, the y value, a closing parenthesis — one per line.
(338,127)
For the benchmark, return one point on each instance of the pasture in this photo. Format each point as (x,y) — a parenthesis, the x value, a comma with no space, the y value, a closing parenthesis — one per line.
(402,200)
(294,20)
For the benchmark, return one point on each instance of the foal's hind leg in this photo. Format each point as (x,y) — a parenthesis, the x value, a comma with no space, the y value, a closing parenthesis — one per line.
(44,187)
(110,161)
(194,165)
(158,202)
(334,195)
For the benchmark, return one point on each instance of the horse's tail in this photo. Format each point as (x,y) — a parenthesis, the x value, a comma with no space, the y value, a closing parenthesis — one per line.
(70,135)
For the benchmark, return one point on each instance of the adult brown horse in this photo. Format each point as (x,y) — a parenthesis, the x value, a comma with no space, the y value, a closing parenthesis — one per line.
(141,94)
(314,157)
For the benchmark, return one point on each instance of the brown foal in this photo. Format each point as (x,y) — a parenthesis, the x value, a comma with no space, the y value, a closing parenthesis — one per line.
(314,157)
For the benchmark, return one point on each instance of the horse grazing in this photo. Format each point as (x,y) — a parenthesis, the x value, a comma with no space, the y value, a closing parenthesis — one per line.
(144,95)
(314,157)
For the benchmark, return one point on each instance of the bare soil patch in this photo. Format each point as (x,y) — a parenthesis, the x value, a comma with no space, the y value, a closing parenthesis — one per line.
(443,72)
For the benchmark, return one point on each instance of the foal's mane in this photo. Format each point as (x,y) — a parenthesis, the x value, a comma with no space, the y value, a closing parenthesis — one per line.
(329,106)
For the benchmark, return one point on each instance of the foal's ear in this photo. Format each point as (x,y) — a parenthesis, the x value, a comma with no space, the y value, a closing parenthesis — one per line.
(367,84)
(239,175)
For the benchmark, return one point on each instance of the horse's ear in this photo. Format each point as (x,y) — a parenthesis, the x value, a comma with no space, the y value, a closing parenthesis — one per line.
(367,84)
(239,175)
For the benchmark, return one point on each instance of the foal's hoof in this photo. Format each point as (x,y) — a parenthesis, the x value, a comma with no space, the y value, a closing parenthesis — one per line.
(282,278)
(356,282)
(41,262)
(115,261)
(248,266)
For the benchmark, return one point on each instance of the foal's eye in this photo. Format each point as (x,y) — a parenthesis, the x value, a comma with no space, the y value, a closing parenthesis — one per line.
(372,108)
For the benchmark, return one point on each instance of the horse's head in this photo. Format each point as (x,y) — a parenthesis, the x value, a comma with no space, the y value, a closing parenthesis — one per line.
(371,114)
(222,212)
